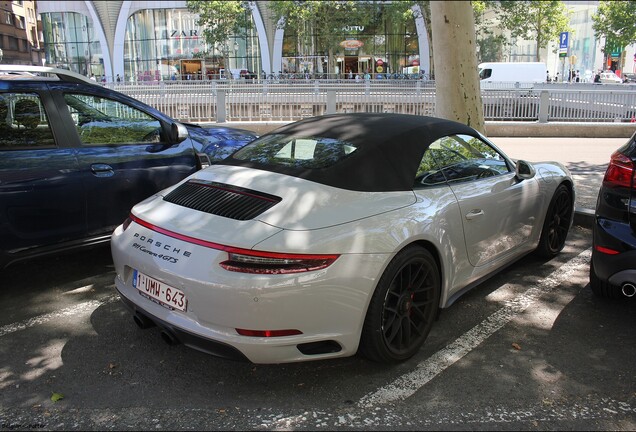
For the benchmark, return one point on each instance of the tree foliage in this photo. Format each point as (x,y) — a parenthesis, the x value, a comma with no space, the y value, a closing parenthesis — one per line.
(319,24)
(542,20)
(221,19)
(614,20)
(490,44)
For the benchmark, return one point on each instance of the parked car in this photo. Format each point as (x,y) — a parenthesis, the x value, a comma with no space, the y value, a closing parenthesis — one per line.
(76,156)
(629,77)
(248,75)
(335,234)
(613,265)
(609,77)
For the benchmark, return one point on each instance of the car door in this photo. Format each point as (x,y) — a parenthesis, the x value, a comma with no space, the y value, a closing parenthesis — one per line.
(497,209)
(123,152)
(41,197)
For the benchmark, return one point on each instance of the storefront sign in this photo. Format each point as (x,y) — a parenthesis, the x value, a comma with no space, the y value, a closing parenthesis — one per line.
(351,44)
(176,34)
(353,28)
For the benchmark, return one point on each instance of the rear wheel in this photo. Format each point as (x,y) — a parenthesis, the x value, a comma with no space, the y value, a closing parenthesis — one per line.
(557,223)
(403,307)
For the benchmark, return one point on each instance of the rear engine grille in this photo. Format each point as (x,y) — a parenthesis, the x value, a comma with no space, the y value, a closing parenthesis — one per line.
(222,199)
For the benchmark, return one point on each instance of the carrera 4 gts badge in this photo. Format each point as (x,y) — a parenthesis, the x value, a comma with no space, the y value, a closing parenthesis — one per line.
(159,249)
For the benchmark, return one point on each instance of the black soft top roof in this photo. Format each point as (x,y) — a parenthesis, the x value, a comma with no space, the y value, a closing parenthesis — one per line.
(389,148)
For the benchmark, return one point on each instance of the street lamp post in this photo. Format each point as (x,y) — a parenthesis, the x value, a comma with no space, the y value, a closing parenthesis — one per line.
(226,55)
(236,51)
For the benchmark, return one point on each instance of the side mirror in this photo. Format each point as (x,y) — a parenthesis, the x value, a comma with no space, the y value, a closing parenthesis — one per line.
(524,170)
(178,133)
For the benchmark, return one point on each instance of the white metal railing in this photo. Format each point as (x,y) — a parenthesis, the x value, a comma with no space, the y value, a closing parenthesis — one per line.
(279,100)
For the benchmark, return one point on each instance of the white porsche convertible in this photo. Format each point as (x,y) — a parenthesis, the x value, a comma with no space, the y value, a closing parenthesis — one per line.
(335,235)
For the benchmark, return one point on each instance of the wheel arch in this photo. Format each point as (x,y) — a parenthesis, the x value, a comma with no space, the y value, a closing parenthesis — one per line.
(434,251)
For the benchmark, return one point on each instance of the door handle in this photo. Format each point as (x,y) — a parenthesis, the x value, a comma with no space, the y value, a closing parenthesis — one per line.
(475,213)
(102,170)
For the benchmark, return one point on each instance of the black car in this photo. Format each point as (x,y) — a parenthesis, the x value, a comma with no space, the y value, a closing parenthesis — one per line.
(613,266)
(76,156)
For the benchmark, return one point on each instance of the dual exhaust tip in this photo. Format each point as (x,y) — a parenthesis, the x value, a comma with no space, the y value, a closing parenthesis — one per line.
(143,322)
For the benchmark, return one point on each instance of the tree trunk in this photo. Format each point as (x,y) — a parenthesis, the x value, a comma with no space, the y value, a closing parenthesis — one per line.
(455,57)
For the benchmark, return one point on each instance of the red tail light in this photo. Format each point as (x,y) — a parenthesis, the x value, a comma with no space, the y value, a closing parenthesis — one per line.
(249,261)
(606,251)
(620,172)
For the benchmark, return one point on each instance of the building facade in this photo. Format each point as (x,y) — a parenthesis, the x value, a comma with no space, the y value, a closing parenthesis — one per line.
(20,38)
(584,52)
(156,40)
(139,40)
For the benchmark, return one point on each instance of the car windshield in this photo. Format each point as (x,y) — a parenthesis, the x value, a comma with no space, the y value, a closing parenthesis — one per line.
(293,151)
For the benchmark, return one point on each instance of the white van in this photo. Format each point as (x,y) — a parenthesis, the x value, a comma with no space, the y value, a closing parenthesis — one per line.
(511,75)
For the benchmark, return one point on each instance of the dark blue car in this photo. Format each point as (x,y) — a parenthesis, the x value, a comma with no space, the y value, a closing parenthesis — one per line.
(613,265)
(76,156)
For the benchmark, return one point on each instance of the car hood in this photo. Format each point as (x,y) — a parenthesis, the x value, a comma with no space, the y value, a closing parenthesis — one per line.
(290,203)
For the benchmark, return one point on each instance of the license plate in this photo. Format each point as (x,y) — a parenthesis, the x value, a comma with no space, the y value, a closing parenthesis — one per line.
(160,292)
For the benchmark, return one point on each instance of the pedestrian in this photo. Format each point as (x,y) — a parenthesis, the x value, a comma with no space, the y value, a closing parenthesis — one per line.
(547,77)
(597,77)
(118,78)
(577,76)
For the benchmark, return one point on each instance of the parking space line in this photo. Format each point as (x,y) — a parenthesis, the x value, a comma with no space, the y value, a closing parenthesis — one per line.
(88,306)
(407,384)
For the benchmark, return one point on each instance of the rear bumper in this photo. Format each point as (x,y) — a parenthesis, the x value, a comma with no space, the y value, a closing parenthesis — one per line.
(619,236)
(191,340)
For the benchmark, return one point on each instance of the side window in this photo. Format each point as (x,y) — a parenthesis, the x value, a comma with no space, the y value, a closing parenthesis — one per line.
(23,122)
(485,73)
(459,158)
(428,173)
(101,121)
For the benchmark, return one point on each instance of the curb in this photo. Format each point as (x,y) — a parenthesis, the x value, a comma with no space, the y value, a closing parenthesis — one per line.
(584,217)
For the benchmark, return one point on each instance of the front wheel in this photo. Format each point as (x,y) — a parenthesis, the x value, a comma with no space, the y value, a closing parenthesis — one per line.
(403,307)
(557,223)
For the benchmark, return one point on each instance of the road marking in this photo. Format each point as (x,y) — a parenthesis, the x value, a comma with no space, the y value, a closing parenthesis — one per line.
(88,306)
(591,408)
(605,412)
(409,383)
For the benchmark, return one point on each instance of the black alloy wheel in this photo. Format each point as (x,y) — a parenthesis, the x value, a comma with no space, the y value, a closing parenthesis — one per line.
(403,308)
(557,223)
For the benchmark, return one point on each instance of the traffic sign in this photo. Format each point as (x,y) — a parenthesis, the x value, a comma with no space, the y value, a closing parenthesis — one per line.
(564,39)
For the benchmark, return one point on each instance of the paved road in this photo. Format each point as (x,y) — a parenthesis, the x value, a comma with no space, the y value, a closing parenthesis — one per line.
(529,349)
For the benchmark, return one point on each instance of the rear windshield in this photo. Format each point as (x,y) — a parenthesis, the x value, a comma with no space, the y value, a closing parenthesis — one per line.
(294,151)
